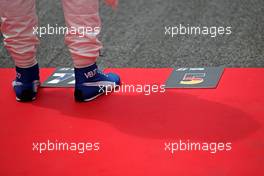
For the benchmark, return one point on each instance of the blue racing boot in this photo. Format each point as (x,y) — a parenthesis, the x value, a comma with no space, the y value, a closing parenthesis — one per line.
(91,83)
(26,83)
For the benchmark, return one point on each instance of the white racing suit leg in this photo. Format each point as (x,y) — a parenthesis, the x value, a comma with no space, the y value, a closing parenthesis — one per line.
(82,16)
(18,17)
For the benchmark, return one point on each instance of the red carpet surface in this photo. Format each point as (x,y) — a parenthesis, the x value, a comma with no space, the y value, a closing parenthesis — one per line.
(131,134)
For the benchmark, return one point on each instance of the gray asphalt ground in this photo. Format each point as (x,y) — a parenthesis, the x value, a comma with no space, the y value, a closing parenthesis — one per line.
(134,36)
